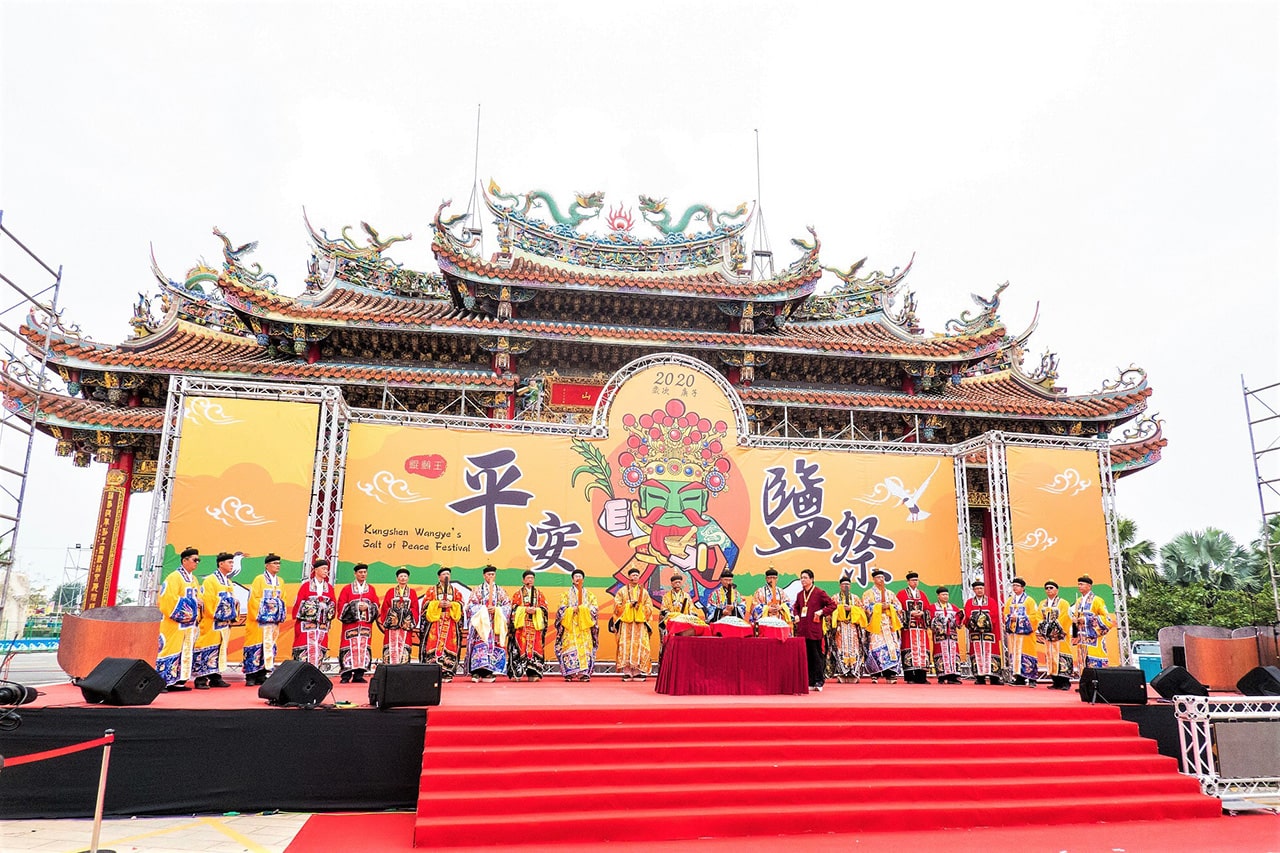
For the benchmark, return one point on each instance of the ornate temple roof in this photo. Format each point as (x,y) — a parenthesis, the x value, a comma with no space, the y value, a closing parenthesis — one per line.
(1139,446)
(60,410)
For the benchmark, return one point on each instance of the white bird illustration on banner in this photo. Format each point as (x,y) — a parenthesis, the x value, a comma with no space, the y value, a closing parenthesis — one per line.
(893,487)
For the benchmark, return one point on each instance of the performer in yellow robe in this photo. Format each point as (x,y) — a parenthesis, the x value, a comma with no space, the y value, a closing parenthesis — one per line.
(846,631)
(265,613)
(1053,630)
(529,612)
(577,633)
(632,608)
(220,611)
(678,613)
(770,606)
(180,606)
(1020,620)
(1092,623)
(884,626)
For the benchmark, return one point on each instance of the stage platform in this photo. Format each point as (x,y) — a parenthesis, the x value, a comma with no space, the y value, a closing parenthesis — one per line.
(220,750)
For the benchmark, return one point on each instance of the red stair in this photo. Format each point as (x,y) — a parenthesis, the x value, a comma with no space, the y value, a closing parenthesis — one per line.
(563,775)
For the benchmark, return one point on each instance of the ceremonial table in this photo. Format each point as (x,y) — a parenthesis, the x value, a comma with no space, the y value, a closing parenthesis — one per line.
(733,666)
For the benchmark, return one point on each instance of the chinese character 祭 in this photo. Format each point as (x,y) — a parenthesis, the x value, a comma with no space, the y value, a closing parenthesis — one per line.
(674,460)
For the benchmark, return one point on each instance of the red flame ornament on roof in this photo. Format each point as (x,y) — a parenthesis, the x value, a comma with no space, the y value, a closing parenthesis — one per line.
(620,219)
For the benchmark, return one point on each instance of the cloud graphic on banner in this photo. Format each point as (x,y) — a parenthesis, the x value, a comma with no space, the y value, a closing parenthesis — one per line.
(1069,482)
(1037,540)
(387,485)
(201,410)
(891,488)
(234,512)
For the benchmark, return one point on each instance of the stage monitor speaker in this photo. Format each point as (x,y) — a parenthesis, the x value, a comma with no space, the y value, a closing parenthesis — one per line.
(1176,681)
(295,682)
(405,684)
(1260,681)
(121,681)
(1113,685)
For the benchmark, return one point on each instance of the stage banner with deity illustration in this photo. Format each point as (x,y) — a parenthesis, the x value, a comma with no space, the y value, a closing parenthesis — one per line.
(668,490)
(1058,526)
(242,482)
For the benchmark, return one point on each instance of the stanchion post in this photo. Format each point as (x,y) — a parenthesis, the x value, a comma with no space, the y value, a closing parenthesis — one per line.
(110,734)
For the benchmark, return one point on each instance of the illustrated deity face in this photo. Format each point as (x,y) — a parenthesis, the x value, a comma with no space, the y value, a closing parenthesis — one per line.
(672,503)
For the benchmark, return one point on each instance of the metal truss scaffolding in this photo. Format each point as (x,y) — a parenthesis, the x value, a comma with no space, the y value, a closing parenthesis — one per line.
(38,307)
(324,518)
(1262,411)
(1198,737)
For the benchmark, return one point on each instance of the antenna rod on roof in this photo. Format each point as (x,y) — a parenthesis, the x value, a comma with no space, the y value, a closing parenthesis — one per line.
(761,253)
(475,173)
(473,228)
(758,193)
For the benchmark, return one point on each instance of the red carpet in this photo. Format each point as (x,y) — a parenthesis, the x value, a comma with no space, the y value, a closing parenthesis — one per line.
(652,771)
(391,833)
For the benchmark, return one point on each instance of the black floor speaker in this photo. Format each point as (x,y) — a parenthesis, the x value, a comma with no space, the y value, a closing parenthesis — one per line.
(1260,681)
(1176,681)
(295,682)
(1113,685)
(405,684)
(121,681)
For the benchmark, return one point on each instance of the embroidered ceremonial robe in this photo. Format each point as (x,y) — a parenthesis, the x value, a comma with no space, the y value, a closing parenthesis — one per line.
(313,612)
(264,615)
(632,608)
(944,624)
(488,612)
(577,632)
(1020,619)
(220,610)
(399,621)
(769,603)
(723,605)
(1092,624)
(884,624)
(980,620)
(1053,631)
(529,620)
(677,613)
(181,606)
(441,628)
(357,611)
(846,637)
(916,642)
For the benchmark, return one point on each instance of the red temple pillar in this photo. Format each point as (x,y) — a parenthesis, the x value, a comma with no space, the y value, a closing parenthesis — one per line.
(108,536)
(989,558)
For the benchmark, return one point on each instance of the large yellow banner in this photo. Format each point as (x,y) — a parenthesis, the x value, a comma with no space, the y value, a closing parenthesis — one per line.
(242,479)
(1058,526)
(668,490)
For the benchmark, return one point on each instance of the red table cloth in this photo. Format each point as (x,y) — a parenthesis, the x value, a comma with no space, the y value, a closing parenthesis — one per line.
(728,629)
(733,666)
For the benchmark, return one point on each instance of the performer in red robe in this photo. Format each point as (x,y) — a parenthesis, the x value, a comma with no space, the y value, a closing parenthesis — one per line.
(916,642)
(312,614)
(399,619)
(441,626)
(357,611)
(981,617)
(944,621)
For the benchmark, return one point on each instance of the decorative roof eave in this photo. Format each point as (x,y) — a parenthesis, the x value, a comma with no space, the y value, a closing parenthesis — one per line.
(969,400)
(341,304)
(61,410)
(529,271)
(1139,447)
(1121,403)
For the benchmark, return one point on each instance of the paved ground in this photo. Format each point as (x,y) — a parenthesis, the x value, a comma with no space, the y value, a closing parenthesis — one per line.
(36,668)
(225,834)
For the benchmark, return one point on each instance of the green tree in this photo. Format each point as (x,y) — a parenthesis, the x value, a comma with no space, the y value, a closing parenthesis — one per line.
(1210,558)
(1137,557)
(68,596)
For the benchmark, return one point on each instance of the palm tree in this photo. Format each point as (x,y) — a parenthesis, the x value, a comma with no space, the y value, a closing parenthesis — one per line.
(1137,558)
(1209,557)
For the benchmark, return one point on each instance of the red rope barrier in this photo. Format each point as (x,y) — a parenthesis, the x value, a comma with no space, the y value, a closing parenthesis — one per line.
(57,753)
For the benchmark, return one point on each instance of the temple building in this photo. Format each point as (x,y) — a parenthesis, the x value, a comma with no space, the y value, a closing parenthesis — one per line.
(533,329)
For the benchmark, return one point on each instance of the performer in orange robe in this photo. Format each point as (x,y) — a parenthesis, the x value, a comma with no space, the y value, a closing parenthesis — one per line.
(529,620)
(441,626)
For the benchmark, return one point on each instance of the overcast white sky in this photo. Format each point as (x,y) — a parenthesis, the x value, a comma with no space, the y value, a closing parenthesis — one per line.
(1116,162)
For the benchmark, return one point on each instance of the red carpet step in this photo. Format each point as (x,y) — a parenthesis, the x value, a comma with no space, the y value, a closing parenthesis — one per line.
(557,775)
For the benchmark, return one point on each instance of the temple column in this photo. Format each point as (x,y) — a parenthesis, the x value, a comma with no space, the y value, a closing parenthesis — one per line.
(989,558)
(108,537)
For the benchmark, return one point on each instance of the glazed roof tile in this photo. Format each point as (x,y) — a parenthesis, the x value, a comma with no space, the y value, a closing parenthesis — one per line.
(62,410)
(999,394)
(185,347)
